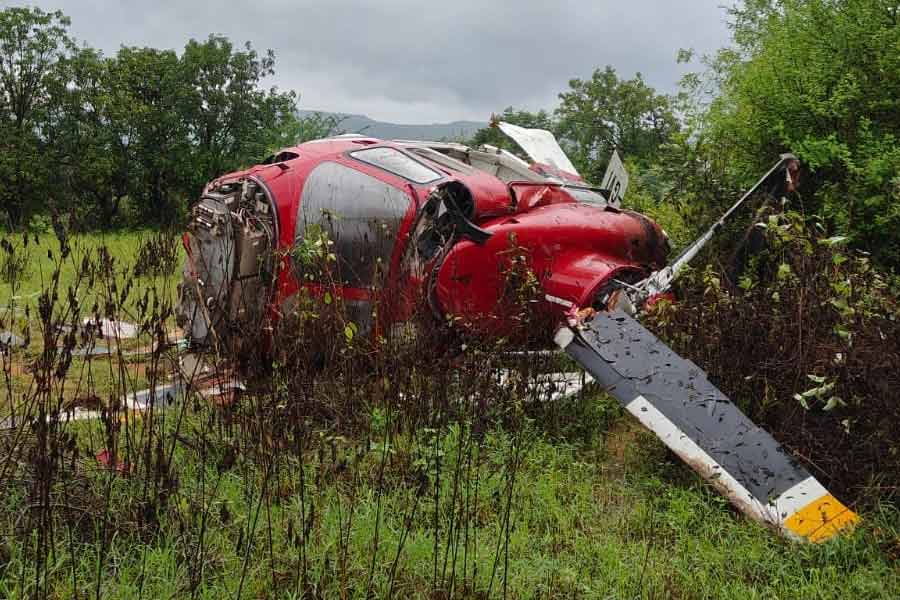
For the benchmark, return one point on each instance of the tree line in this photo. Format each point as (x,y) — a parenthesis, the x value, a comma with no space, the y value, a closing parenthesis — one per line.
(134,134)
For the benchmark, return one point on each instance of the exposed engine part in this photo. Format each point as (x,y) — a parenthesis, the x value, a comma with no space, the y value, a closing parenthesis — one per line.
(229,271)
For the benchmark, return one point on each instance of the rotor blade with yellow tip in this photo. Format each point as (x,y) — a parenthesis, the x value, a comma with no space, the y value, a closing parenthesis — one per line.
(673,398)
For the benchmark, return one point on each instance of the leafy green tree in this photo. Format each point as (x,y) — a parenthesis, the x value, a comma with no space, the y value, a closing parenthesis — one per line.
(92,138)
(820,78)
(32,44)
(606,113)
(231,120)
(296,129)
(146,90)
(83,132)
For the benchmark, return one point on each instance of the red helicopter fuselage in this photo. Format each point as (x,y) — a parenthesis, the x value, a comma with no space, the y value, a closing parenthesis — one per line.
(411,223)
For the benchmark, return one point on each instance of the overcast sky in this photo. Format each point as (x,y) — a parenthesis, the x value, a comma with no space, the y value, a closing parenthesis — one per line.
(421,62)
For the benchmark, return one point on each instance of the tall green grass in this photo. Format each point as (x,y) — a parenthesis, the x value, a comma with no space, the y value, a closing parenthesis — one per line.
(356,467)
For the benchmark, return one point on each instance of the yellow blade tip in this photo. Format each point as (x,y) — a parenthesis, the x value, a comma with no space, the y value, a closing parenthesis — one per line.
(821,519)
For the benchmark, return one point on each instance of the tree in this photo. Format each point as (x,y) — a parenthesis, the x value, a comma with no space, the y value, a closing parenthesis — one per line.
(32,44)
(820,78)
(91,139)
(295,129)
(230,119)
(146,90)
(83,132)
(605,113)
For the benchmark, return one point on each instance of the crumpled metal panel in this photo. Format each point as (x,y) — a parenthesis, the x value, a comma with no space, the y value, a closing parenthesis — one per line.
(540,145)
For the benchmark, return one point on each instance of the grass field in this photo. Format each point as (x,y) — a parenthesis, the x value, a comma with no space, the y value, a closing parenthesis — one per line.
(267,498)
(42,255)
(612,517)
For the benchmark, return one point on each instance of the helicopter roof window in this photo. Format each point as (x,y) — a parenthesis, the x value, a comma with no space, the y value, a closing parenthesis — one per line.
(443,160)
(396,162)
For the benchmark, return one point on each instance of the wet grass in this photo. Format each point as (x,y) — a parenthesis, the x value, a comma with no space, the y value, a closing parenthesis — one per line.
(378,474)
(40,256)
(586,522)
(43,267)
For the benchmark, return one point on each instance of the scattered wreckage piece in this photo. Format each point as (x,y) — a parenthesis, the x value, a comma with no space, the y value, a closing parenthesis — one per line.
(106,458)
(540,145)
(158,397)
(672,397)
(223,393)
(221,390)
(91,350)
(8,341)
(110,328)
(550,387)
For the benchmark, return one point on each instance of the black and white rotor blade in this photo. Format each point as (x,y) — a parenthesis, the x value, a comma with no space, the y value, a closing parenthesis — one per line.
(673,398)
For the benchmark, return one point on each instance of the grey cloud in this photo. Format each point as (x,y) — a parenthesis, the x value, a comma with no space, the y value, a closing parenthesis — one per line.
(415,61)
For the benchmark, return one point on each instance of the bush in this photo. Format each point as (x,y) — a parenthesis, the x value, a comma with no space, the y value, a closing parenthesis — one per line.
(820,78)
(805,338)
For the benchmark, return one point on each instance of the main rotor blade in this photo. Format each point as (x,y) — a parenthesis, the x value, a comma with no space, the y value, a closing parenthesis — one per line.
(672,397)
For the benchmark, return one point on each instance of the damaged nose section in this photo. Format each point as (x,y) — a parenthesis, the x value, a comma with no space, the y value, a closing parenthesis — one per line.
(672,397)
(227,274)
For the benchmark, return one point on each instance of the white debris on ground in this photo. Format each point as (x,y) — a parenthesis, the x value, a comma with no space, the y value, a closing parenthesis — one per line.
(9,339)
(560,386)
(110,328)
(221,387)
(97,350)
(158,398)
(552,387)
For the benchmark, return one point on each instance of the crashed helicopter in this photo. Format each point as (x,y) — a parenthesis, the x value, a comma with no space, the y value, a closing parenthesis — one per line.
(430,222)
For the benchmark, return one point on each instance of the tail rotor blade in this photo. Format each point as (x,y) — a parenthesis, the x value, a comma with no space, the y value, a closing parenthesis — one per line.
(672,397)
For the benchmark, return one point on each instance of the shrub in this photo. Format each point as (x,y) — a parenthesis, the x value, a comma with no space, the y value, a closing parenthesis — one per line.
(820,78)
(805,337)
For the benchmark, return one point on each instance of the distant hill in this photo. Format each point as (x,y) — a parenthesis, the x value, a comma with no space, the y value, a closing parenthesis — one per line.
(453,131)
